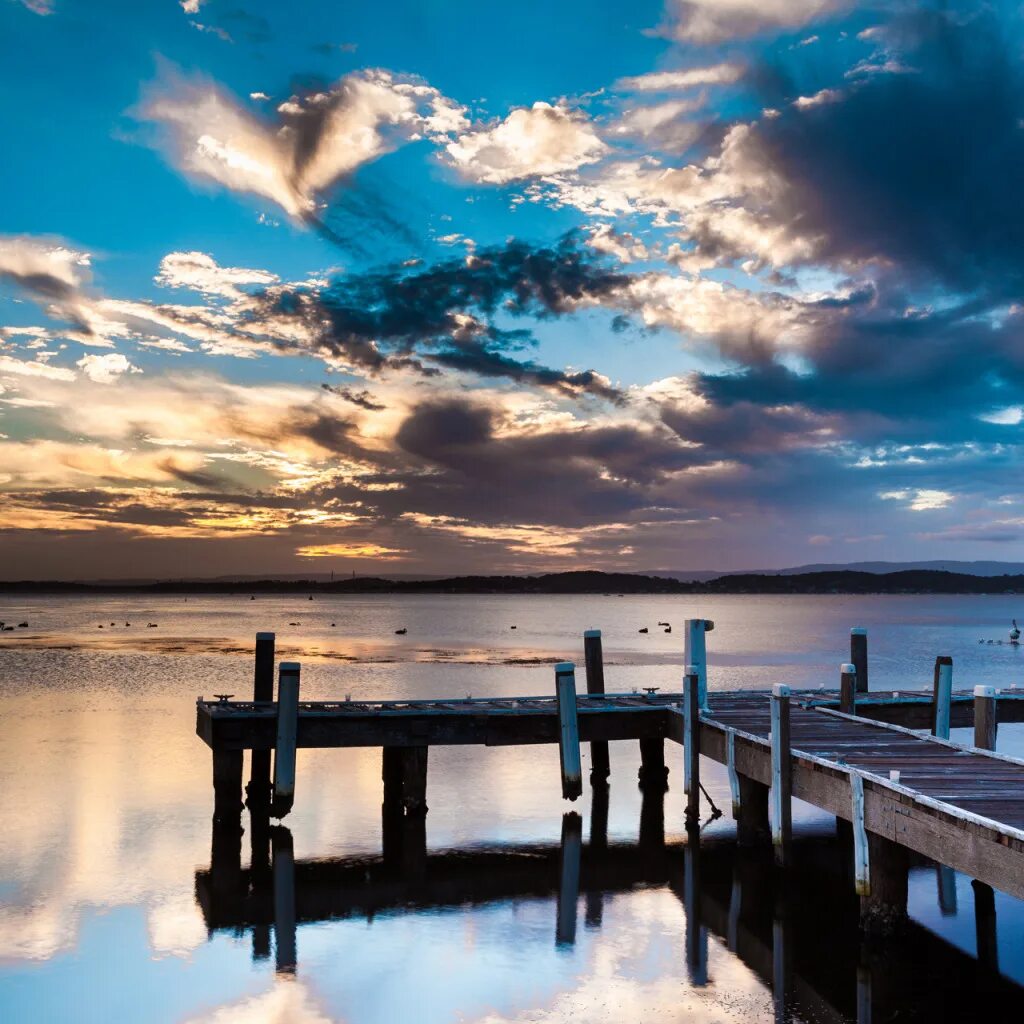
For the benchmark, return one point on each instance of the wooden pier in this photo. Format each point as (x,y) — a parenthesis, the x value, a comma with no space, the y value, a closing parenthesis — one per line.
(900,791)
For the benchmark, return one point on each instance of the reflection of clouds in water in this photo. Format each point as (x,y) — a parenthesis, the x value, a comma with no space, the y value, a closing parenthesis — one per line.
(175,928)
(288,1002)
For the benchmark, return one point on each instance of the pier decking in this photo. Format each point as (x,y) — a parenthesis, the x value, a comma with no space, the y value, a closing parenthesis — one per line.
(899,790)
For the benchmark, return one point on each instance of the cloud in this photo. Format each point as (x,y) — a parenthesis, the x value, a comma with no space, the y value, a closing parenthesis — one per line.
(106,369)
(684,78)
(22,368)
(529,142)
(318,138)
(715,21)
(200,272)
(920,500)
(43,7)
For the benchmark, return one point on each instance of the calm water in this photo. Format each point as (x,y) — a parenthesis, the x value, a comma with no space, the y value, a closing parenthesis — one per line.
(108,910)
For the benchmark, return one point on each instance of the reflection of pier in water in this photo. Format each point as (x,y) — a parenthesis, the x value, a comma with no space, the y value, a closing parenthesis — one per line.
(796,929)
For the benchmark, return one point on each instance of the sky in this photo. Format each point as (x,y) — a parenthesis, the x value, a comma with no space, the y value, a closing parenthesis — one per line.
(449,287)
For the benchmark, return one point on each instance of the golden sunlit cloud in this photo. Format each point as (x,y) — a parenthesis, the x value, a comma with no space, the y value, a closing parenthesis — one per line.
(348,551)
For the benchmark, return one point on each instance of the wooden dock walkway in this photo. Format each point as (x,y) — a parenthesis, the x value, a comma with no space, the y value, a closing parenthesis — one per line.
(899,790)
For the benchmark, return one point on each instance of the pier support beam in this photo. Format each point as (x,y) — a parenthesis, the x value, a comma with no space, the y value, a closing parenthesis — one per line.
(782,775)
(883,910)
(227,790)
(985,927)
(691,747)
(568,730)
(653,773)
(258,790)
(600,767)
(753,827)
(942,695)
(414,780)
(287,738)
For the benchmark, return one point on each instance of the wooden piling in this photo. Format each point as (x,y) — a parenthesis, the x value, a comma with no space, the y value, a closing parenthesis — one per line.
(753,826)
(695,656)
(653,773)
(883,910)
(414,780)
(696,933)
(782,774)
(391,811)
(287,736)
(227,789)
(859,656)
(568,730)
(593,654)
(942,694)
(734,778)
(258,789)
(985,717)
(985,926)
(691,746)
(848,688)
(861,865)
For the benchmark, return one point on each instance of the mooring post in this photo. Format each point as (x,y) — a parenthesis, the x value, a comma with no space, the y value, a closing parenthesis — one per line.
(593,655)
(985,717)
(284,899)
(942,695)
(653,773)
(569,878)
(652,819)
(883,908)
(859,656)
(568,730)
(985,926)
(287,737)
(782,774)
(691,747)
(861,866)
(696,657)
(753,827)
(848,688)
(227,790)
(414,780)
(258,790)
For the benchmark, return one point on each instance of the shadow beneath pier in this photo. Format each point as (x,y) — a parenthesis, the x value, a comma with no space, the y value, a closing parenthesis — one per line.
(797,930)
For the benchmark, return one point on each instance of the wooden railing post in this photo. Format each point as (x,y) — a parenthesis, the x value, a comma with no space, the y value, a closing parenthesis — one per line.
(568,730)
(258,790)
(782,774)
(287,737)
(848,688)
(594,656)
(859,656)
(985,717)
(942,695)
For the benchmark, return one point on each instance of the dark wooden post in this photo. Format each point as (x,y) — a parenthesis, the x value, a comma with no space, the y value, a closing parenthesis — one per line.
(414,780)
(391,811)
(600,767)
(258,790)
(848,688)
(652,819)
(227,789)
(598,843)
(568,730)
(753,826)
(691,747)
(260,875)
(653,773)
(985,717)
(696,934)
(569,878)
(859,656)
(942,695)
(985,926)
(883,909)
(287,737)
(782,774)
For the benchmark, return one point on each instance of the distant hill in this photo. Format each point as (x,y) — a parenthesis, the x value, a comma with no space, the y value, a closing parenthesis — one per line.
(841,581)
(981,568)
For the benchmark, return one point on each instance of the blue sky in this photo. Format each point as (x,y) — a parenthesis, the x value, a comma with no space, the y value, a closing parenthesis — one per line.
(451,286)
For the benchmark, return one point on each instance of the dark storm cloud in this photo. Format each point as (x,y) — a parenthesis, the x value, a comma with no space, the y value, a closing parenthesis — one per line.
(920,166)
(195,477)
(445,313)
(363,398)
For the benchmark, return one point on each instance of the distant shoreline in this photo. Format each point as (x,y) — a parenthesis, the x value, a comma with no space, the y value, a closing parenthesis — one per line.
(916,581)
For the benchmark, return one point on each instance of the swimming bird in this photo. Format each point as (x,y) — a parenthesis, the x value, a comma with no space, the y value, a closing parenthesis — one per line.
(512,627)
(668,629)
(664,624)
(644,630)
(401,632)
(22,625)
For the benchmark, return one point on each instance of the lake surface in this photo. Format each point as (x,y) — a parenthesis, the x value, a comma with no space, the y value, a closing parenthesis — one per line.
(106,896)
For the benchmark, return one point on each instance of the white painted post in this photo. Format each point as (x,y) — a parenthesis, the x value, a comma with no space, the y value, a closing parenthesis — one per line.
(287,736)
(568,730)
(985,717)
(781,791)
(696,657)
(861,867)
(734,779)
(943,694)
